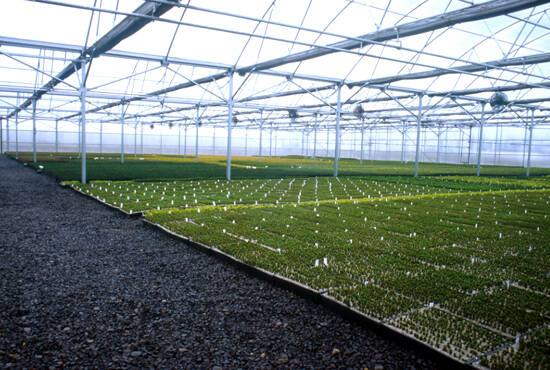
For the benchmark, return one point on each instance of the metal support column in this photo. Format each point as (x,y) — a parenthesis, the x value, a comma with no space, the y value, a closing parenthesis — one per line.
(362,139)
(424,146)
(56,136)
(79,149)
(354,142)
(179,139)
(101,138)
(531,126)
(337,135)
(135,140)
(469,143)
(315,140)
(229,125)
(213,140)
(500,144)
(1,138)
(328,138)
(418,123)
(185,141)
(439,141)
(275,144)
(388,142)
(246,141)
(270,139)
(17,135)
(197,136)
(303,143)
(446,142)
(370,144)
(141,138)
(404,130)
(524,145)
(122,134)
(482,122)
(460,145)
(261,131)
(34,130)
(160,136)
(7,134)
(496,146)
(83,121)
(17,131)
(306,146)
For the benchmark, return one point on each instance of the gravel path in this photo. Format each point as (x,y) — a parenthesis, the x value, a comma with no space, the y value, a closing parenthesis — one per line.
(83,286)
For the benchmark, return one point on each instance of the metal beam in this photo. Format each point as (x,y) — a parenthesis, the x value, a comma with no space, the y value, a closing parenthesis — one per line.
(469,14)
(127,27)
(476,12)
(35,44)
(521,86)
(300,28)
(468,68)
(474,67)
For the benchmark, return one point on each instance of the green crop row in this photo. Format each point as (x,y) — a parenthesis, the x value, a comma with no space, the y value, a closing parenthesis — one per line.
(531,351)
(149,167)
(461,265)
(427,264)
(136,196)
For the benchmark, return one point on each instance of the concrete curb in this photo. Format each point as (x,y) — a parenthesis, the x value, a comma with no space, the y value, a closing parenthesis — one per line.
(327,301)
(115,208)
(324,299)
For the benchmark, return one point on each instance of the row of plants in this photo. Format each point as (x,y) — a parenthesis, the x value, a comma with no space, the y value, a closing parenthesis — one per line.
(480,257)
(135,196)
(530,351)
(455,335)
(154,167)
(426,255)
(506,182)
(138,196)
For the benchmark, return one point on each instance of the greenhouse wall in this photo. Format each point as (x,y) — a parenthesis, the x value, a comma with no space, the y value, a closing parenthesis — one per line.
(506,147)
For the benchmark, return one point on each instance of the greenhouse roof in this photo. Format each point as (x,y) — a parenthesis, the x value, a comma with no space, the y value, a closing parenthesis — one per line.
(285,62)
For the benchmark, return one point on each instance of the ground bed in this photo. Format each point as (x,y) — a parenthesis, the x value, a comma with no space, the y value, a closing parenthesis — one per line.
(83,285)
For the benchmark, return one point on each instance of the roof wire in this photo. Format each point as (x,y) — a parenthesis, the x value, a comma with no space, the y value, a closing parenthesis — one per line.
(116,13)
(300,27)
(98,19)
(90,26)
(270,11)
(324,29)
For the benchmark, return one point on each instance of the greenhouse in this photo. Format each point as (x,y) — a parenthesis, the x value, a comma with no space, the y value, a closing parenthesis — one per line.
(387,159)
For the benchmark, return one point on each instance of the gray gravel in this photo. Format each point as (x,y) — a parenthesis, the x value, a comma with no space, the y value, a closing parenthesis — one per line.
(83,286)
